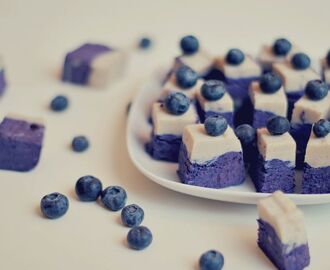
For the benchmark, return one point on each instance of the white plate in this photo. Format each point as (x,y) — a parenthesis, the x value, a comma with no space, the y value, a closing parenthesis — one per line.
(164,173)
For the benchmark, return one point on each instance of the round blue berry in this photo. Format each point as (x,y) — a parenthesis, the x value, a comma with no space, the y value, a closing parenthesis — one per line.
(132,215)
(328,58)
(145,43)
(246,134)
(316,90)
(189,44)
(54,205)
(321,128)
(215,125)
(211,260)
(59,103)
(80,143)
(88,188)
(213,90)
(235,57)
(278,125)
(281,47)
(139,237)
(270,83)
(114,198)
(177,103)
(300,61)
(186,77)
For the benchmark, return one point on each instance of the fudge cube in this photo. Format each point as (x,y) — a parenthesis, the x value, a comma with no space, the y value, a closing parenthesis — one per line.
(2,79)
(20,144)
(281,233)
(210,161)
(94,65)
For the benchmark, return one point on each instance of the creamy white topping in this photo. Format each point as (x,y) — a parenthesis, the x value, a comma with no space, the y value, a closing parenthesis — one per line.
(166,123)
(293,79)
(285,218)
(107,67)
(202,147)
(310,111)
(318,151)
(275,102)
(249,68)
(266,55)
(200,62)
(282,147)
(326,70)
(225,104)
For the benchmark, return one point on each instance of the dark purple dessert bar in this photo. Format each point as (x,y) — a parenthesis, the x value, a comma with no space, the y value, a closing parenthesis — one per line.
(316,180)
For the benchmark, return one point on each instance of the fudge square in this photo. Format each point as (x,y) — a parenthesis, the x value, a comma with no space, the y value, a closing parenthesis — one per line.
(94,65)
(281,232)
(210,161)
(20,144)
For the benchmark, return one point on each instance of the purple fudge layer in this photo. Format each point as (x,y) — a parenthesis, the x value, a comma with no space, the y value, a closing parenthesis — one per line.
(297,259)
(293,97)
(20,144)
(223,171)
(164,147)
(300,133)
(260,118)
(316,180)
(2,82)
(77,64)
(214,74)
(238,88)
(271,175)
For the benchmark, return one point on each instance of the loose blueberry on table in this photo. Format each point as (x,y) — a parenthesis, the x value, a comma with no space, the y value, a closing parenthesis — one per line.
(88,188)
(321,128)
(54,205)
(114,198)
(145,43)
(211,260)
(189,44)
(270,83)
(278,125)
(235,57)
(213,90)
(215,125)
(177,103)
(80,143)
(132,215)
(300,61)
(59,103)
(186,77)
(139,237)
(281,47)
(316,90)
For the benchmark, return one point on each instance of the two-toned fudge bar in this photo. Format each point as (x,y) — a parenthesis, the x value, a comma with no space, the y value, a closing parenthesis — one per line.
(268,99)
(313,106)
(274,167)
(316,175)
(281,233)
(295,74)
(20,144)
(169,119)
(326,68)
(211,155)
(3,83)
(213,100)
(94,65)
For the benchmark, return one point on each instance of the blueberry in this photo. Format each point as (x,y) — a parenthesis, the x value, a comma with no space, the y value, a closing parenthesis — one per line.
(235,57)
(328,58)
(278,125)
(80,143)
(270,83)
(189,44)
(215,125)
(300,61)
(213,90)
(246,134)
(321,128)
(54,205)
(88,188)
(114,198)
(211,260)
(139,237)
(177,103)
(186,77)
(281,47)
(59,103)
(132,215)
(316,90)
(145,43)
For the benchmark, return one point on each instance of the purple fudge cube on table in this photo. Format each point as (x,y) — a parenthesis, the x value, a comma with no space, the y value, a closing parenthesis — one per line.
(281,233)
(20,144)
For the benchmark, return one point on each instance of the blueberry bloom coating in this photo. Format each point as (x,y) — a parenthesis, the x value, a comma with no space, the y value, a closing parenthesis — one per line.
(59,103)
(80,144)
(186,77)
(270,83)
(215,125)
(54,205)
(246,134)
(321,128)
(278,125)
(235,57)
(300,61)
(213,90)
(211,260)
(114,198)
(139,237)
(177,103)
(189,44)
(316,90)
(281,47)
(145,43)
(132,215)
(88,188)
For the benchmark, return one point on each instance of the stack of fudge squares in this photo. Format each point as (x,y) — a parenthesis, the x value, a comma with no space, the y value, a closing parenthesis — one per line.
(267,109)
